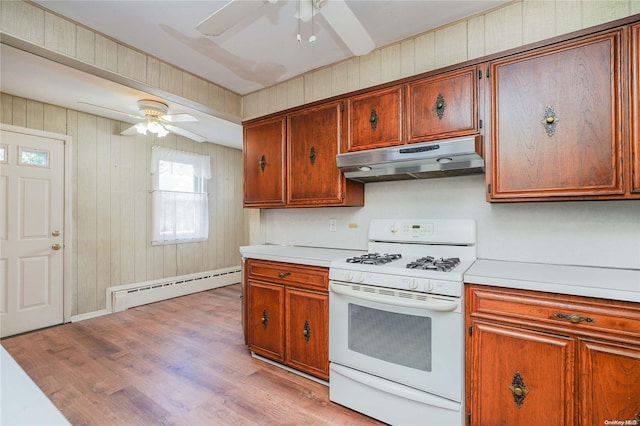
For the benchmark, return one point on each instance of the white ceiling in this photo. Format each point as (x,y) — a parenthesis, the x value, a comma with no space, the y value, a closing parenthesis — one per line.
(258,52)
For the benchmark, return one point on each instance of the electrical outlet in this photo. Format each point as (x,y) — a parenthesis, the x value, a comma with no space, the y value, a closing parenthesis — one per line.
(332,225)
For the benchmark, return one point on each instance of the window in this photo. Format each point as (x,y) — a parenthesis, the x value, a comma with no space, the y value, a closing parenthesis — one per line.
(33,157)
(180,199)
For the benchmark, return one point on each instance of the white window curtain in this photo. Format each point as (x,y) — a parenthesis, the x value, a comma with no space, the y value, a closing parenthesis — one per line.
(180,200)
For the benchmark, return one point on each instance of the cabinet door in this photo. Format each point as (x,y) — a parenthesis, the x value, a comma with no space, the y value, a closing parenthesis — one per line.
(307,330)
(313,143)
(265,319)
(264,165)
(635,107)
(520,377)
(556,121)
(609,383)
(375,119)
(443,106)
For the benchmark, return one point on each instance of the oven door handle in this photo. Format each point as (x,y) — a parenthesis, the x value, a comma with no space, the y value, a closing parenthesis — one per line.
(432,305)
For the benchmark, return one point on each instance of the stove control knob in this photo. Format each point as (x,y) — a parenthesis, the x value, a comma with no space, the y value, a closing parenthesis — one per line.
(360,277)
(429,286)
(413,284)
(394,229)
(348,276)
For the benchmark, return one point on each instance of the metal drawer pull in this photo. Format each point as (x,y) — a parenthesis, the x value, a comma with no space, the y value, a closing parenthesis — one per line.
(575,319)
(306,331)
(284,274)
(518,389)
(549,120)
(440,106)
(373,119)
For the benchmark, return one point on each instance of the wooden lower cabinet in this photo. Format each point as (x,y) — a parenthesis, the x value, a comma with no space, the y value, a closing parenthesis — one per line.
(287,314)
(541,358)
(506,357)
(608,382)
(307,331)
(266,316)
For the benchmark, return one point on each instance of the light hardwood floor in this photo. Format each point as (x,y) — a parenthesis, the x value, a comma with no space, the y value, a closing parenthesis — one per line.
(176,362)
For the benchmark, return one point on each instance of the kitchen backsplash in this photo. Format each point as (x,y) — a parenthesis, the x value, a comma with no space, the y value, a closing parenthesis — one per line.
(587,233)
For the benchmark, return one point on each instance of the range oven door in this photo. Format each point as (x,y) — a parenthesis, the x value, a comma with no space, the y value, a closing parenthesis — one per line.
(406,337)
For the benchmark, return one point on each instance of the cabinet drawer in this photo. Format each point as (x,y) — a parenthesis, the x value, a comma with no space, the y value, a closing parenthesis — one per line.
(311,277)
(569,314)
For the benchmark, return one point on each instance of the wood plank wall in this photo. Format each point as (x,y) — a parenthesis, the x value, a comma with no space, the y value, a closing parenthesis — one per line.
(509,26)
(112,203)
(34,25)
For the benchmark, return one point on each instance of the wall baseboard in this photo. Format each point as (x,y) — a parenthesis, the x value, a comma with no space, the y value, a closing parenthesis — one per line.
(127,296)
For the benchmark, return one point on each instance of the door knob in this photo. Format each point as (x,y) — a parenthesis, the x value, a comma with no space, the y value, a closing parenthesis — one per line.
(56,246)
(56,233)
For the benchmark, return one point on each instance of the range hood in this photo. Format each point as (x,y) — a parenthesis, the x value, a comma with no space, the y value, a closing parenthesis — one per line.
(449,157)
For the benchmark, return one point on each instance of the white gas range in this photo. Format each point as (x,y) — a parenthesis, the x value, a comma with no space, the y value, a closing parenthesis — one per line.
(396,342)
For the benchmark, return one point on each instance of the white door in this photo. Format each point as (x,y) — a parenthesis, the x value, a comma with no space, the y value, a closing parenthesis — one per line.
(31,232)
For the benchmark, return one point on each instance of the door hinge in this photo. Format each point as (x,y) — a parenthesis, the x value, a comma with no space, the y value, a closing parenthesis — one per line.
(489,189)
(487,74)
(480,124)
(469,417)
(343,196)
(341,107)
(470,330)
(479,74)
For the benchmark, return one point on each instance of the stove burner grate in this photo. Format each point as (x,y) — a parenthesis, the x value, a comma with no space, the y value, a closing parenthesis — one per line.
(374,258)
(430,263)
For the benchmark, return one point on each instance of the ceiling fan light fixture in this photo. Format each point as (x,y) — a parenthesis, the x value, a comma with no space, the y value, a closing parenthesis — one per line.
(141,128)
(154,126)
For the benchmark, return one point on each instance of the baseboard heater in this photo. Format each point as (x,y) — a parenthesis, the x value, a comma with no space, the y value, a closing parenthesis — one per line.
(127,296)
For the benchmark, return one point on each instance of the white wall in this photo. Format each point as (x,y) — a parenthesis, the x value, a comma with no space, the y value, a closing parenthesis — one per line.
(599,233)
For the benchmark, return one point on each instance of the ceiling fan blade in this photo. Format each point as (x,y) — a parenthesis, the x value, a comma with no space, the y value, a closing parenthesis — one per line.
(175,118)
(112,110)
(228,16)
(348,27)
(129,131)
(187,134)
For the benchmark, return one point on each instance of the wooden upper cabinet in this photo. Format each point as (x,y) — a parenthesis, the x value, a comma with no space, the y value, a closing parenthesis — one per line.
(375,119)
(635,107)
(556,122)
(264,163)
(313,141)
(443,106)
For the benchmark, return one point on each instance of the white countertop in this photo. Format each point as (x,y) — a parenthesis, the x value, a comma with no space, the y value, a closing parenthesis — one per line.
(606,283)
(21,401)
(314,256)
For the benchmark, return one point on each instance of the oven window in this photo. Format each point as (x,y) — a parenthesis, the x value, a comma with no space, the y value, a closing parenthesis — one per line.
(400,339)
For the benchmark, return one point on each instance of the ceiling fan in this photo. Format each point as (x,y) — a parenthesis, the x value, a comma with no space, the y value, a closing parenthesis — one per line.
(156,120)
(336,12)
